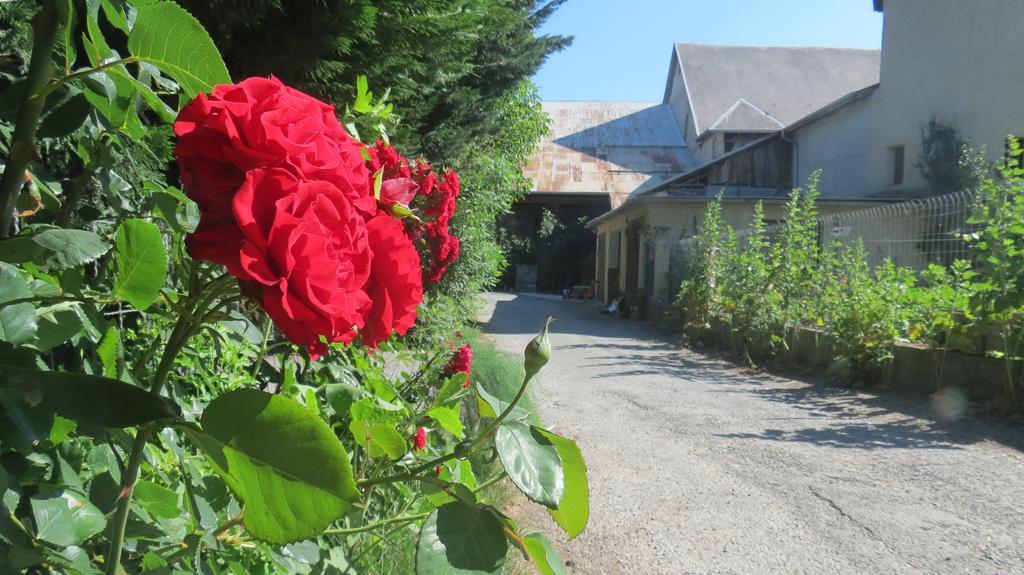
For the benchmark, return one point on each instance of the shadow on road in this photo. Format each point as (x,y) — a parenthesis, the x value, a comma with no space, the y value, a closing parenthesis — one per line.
(850,419)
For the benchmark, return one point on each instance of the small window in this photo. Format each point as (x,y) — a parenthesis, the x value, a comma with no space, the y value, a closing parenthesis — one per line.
(730,142)
(898,154)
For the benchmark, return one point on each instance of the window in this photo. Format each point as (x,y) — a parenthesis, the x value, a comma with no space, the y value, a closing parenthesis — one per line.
(897,153)
(730,142)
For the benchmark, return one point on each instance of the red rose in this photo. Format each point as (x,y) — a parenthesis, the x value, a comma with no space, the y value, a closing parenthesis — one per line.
(259,123)
(287,205)
(385,157)
(419,441)
(460,362)
(396,284)
(304,243)
(443,247)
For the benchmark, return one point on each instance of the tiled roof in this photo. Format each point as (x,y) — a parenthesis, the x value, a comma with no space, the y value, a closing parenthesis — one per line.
(607,148)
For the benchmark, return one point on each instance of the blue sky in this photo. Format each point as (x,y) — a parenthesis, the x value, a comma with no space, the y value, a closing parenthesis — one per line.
(622,48)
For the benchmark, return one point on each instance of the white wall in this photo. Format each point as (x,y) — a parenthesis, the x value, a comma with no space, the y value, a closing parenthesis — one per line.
(956,59)
(838,145)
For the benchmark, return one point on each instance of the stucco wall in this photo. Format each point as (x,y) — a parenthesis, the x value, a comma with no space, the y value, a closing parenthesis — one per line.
(957,60)
(668,222)
(838,145)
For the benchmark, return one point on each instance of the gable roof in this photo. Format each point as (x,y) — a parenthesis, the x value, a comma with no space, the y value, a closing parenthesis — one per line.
(607,148)
(784,84)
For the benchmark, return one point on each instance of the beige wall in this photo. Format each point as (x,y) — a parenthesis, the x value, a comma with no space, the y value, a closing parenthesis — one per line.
(958,60)
(838,145)
(668,222)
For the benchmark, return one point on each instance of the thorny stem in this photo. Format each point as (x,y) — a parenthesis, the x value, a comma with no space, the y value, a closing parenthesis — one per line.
(22,149)
(188,322)
(376,524)
(267,328)
(460,451)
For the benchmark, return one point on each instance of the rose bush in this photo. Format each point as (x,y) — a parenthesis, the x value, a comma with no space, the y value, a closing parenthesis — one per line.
(289,204)
(152,420)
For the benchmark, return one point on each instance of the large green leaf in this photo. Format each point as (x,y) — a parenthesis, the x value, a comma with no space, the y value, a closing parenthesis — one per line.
(490,406)
(66,518)
(86,398)
(448,417)
(57,324)
(379,439)
(531,461)
(281,460)
(17,321)
(57,248)
(167,36)
(70,248)
(574,509)
(461,539)
(157,499)
(543,554)
(141,263)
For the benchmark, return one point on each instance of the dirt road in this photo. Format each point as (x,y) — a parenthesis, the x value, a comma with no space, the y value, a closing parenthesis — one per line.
(699,467)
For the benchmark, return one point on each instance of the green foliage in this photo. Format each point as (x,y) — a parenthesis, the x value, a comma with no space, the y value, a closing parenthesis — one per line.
(264,447)
(461,539)
(492,181)
(998,289)
(947,162)
(764,290)
(449,67)
(168,37)
(132,433)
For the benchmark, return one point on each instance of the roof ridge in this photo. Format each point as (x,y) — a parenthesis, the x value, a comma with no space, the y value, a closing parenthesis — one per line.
(775,47)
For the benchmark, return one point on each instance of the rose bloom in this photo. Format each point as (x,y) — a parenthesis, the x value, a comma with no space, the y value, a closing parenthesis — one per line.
(260,123)
(419,441)
(460,362)
(306,247)
(396,284)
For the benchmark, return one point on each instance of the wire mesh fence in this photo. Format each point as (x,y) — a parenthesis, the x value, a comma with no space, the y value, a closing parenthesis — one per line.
(912,234)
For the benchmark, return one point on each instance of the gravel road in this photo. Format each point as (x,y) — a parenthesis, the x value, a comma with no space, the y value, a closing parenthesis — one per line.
(697,466)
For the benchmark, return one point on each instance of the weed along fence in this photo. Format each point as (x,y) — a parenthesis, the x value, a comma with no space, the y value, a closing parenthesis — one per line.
(919,293)
(909,234)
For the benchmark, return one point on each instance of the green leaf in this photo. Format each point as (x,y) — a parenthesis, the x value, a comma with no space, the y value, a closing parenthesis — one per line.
(70,248)
(531,461)
(57,324)
(491,406)
(574,509)
(379,439)
(157,499)
(141,263)
(17,321)
(461,539)
(543,554)
(66,116)
(111,353)
(86,398)
(448,418)
(282,461)
(167,36)
(66,518)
